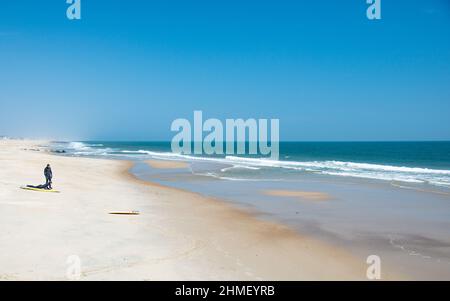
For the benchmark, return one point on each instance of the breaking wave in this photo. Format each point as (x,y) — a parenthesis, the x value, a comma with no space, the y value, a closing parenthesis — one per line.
(259,166)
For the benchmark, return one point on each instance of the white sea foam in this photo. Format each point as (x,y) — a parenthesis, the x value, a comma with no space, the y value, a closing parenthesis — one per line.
(84,149)
(336,168)
(239,167)
(346,166)
(361,170)
(77,146)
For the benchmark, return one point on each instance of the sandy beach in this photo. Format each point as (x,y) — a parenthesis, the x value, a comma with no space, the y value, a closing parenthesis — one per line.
(178,235)
(302,195)
(161,164)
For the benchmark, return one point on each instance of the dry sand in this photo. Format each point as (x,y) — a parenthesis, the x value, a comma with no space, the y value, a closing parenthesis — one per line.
(177,236)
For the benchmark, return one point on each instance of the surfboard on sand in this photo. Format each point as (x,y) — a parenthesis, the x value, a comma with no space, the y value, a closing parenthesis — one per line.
(40,189)
(125,212)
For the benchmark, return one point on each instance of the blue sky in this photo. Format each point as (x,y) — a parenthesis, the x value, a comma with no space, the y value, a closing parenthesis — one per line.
(128,68)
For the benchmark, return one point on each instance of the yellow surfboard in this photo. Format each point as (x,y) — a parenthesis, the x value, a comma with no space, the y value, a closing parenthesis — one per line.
(40,189)
(125,212)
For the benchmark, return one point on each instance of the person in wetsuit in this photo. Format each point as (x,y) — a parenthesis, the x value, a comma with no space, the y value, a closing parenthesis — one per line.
(48,176)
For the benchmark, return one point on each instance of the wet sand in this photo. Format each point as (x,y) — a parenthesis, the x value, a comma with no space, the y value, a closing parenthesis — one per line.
(302,195)
(161,164)
(407,226)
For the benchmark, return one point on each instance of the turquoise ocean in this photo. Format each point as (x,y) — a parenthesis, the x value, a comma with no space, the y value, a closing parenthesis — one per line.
(409,162)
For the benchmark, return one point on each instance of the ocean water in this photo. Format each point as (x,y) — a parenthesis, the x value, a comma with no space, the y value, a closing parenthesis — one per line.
(391,199)
(425,163)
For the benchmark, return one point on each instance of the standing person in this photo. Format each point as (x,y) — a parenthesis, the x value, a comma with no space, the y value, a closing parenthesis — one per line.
(48,176)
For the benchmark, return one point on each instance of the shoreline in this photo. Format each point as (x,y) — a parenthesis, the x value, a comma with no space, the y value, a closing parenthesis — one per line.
(251,216)
(179,235)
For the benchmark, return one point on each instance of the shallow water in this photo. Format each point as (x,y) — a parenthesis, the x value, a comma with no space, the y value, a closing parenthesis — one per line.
(409,228)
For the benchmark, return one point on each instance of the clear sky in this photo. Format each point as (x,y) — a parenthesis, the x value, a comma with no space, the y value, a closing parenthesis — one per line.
(128,68)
